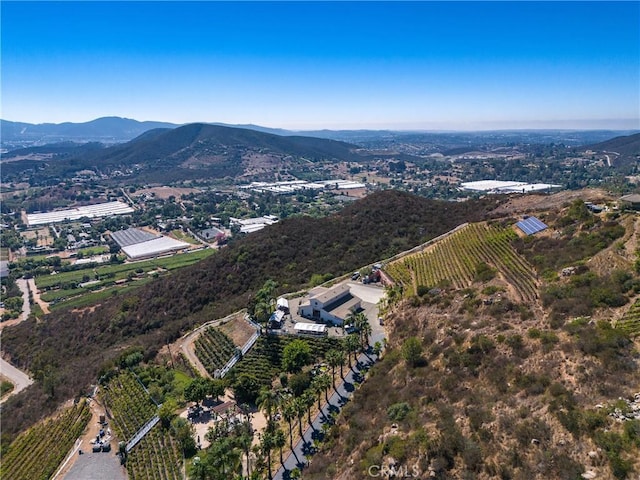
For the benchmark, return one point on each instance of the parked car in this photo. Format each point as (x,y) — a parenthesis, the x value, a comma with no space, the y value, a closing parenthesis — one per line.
(355,276)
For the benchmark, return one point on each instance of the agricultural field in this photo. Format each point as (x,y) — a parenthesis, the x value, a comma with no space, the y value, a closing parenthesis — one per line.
(61,287)
(38,452)
(156,456)
(180,235)
(630,321)
(264,360)
(42,236)
(214,349)
(129,403)
(456,259)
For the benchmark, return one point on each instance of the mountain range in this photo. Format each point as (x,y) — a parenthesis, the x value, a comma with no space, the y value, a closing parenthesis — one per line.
(191,152)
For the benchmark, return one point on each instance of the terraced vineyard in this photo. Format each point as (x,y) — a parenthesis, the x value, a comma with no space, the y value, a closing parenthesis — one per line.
(455,258)
(630,321)
(264,360)
(157,456)
(38,452)
(214,349)
(130,405)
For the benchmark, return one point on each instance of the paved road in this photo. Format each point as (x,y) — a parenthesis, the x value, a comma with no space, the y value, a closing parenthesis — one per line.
(343,393)
(19,379)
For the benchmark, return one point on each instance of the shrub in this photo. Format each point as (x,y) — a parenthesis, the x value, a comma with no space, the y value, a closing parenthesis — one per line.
(412,351)
(398,411)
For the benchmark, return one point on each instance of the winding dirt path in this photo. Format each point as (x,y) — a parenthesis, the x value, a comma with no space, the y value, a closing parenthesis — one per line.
(36,296)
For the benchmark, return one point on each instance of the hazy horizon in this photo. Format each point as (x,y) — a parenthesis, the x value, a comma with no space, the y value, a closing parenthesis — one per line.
(419,66)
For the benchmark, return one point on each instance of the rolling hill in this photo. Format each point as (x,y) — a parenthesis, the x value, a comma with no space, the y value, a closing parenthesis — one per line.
(625,149)
(200,151)
(105,130)
(71,347)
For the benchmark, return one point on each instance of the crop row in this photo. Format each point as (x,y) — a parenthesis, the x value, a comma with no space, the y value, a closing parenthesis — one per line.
(155,457)
(214,349)
(630,321)
(264,360)
(130,405)
(38,452)
(456,257)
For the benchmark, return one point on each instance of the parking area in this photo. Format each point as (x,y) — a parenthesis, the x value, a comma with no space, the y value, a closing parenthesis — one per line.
(369,295)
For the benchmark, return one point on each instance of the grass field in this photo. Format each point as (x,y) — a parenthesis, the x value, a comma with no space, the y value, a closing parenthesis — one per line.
(180,235)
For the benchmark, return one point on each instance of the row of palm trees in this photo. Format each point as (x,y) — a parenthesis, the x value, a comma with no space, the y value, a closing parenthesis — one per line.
(294,408)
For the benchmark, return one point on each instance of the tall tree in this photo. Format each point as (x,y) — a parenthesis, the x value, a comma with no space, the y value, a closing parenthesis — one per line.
(279,441)
(289,413)
(333,359)
(296,355)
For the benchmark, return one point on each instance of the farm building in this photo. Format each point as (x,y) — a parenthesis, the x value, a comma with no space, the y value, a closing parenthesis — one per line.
(211,233)
(330,305)
(139,244)
(310,329)
(154,248)
(131,236)
(630,201)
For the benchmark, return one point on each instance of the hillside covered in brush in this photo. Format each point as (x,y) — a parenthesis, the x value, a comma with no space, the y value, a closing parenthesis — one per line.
(196,151)
(482,383)
(67,351)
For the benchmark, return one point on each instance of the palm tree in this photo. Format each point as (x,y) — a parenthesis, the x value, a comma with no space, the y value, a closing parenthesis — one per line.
(352,344)
(266,446)
(333,358)
(317,388)
(289,413)
(268,401)
(279,441)
(300,407)
(365,333)
(309,400)
(325,384)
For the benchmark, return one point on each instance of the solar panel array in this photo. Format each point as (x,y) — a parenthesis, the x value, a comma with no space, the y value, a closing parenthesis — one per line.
(131,236)
(531,225)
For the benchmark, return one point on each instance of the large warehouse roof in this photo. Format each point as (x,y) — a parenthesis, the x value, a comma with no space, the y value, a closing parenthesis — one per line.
(91,211)
(500,186)
(154,247)
(131,236)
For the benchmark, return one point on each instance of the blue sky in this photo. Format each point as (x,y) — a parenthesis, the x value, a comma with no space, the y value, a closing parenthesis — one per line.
(413,65)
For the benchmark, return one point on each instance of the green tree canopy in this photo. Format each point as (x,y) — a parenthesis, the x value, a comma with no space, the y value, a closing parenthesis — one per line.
(412,351)
(296,355)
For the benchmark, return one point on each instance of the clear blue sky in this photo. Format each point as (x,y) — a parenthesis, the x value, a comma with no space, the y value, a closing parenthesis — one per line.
(414,65)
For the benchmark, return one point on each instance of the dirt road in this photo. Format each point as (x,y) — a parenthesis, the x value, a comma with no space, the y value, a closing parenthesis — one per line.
(185,344)
(36,296)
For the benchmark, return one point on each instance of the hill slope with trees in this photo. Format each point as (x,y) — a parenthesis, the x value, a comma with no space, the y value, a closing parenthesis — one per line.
(67,351)
(479,385)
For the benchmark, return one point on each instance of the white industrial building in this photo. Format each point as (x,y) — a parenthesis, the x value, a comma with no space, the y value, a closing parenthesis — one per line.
(90,211)
(153,248)
(139,244)
(500,186)
(250,225)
